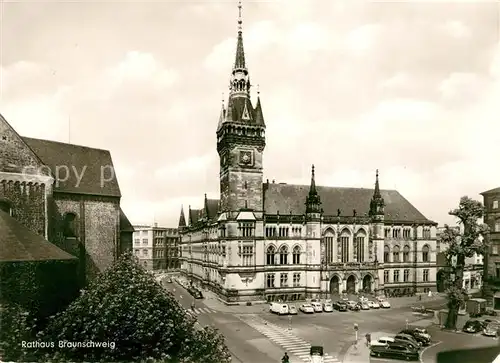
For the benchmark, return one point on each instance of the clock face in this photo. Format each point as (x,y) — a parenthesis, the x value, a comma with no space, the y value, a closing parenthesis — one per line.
(246,157)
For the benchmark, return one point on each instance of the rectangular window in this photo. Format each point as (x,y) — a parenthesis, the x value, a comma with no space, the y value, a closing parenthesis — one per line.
(144,252)
(296,279)
(386,277)
(137,241)
(497,226)
(406,275)
(407,233)
(427,233)
(395,276)
(247,256)
(426,275)
(284,280)
(495,204)
(270,280)
(144,241)
(246,229)
(494,250)
(137,252)
(387,232)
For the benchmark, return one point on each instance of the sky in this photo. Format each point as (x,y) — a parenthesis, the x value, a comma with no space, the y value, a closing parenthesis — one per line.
(409,88)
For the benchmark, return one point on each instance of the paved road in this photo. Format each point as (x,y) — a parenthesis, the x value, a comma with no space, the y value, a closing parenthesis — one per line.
(253,334)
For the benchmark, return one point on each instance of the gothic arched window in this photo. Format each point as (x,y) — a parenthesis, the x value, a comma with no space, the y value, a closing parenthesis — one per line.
(387,253)
(345,237)
(270,254)
(296,255)
(330,246)
(69,225)
(283,255)
(360,246)
(425,253)
(395,254)
(406,254)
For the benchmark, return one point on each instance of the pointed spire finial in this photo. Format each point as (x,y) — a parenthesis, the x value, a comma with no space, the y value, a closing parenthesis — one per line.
(240,21)
(222,99)
(258,90)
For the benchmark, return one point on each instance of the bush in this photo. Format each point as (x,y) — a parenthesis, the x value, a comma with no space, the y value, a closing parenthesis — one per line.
(16,328)
(126,308)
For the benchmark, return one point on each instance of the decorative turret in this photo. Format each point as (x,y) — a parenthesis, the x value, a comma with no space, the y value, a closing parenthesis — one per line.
(377,203)
(313,201)
(182,219)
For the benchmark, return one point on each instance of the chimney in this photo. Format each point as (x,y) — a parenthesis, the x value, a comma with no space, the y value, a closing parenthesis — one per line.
(156,225)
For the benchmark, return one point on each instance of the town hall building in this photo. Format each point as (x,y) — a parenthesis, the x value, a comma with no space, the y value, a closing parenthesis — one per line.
(269,241)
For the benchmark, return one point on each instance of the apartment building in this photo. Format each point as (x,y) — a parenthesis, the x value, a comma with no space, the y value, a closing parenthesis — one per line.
(157,248)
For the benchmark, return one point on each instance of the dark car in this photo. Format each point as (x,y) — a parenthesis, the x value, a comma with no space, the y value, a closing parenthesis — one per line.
(395,350)
(473,326)
(195,293)
(169,280)
(408,339)
(421,337)
(340,306)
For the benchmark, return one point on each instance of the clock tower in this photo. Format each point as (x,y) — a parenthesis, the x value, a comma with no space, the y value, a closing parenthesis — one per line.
(240,141)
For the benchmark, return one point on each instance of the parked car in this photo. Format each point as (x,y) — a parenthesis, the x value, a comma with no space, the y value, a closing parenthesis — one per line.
(169,280)
(395,350)
(306,309)
(351,304)
(318,308)
(327,307)
(364,306)
(473,326)
(422,338)
(491,329)
(383,341)
(408,339)
(279,308)
(373,305)
(292,310)
(340,306)
(384,304)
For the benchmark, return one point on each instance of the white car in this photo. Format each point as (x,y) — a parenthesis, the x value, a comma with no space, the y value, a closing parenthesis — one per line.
(306,309)
(383,341)
(327,307)
(318,308)
(373,305)
(384,304)
(292,310)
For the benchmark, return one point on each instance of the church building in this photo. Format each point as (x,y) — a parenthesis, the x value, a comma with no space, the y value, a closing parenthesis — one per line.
(268,241)
(67,194)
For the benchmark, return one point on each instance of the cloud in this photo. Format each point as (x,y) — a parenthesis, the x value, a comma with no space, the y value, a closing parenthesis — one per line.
(397,81)
(362,39)
(456,29)
(461,87)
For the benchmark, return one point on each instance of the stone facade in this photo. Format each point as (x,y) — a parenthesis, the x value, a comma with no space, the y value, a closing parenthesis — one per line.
(491,201)
(264,241)
(87,223)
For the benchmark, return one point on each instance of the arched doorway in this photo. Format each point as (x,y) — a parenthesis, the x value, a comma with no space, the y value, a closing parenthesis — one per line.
(334,285)
(351,285)
(441,281)
(367,284)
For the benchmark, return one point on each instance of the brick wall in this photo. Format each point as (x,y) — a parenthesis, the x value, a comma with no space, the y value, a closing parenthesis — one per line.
(15,154)
(97,225)
(27,202)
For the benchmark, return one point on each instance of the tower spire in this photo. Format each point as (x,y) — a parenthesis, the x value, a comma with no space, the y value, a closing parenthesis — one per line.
(239,62)
(377,203)
(313,201)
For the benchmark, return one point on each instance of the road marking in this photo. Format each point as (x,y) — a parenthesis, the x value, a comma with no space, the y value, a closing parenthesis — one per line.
(423,350)
(289,342)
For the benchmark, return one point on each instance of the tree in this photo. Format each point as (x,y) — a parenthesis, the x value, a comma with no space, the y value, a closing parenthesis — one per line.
(462,243)
(139,320)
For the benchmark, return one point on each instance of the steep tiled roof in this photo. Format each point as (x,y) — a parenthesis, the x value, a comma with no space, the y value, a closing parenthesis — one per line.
(491,191)
(18,243)
(80,158)
(125,225)
(213,208)
(287,198)
(194,215)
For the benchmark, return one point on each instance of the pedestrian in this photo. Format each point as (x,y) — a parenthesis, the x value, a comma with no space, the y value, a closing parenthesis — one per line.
(285,359)
(368,337)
